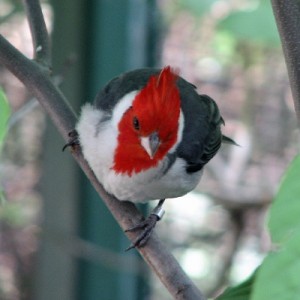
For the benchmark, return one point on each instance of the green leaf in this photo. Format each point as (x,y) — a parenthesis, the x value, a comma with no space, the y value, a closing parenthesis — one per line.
(4,116)
(13,214)
(278,276)
(255,24)
(285,210)
(239,292)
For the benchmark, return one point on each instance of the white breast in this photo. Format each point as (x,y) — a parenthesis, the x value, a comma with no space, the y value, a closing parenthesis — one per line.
(152,184)
(98,139)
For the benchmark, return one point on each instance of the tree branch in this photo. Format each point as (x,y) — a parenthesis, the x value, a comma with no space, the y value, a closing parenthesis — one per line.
(287,15)
(160,260)
(40,84)
(40,37)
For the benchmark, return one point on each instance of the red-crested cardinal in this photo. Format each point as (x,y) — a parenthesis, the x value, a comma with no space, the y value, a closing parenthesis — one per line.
(148,136)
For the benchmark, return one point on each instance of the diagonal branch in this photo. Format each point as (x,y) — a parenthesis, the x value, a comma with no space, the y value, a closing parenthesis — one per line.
(39,83)
(287,15)
(159,259)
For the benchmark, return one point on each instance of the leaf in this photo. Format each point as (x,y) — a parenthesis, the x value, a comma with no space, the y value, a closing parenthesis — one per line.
(256,24)
(278,276)
(285,210)
(13,213)
(239,292)
(4,116)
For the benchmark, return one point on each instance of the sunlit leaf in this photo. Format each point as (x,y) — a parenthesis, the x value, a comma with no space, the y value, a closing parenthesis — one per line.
(285,210)
(278,276)
(255,24)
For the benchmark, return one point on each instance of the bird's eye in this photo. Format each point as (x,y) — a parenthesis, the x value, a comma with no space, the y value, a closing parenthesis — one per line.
(136,123)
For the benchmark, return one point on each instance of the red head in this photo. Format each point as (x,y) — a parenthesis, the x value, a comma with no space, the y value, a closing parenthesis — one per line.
(148,129)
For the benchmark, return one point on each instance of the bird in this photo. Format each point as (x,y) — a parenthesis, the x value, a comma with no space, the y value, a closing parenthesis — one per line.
(148,136)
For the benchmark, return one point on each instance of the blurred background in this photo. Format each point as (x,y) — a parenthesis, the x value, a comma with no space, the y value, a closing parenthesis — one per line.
(57,239)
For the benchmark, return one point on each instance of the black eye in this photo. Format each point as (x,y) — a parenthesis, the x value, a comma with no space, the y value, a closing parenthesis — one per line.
(136,123)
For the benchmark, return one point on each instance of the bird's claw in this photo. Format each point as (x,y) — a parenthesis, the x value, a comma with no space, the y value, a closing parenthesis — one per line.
(73,140)
(147,227)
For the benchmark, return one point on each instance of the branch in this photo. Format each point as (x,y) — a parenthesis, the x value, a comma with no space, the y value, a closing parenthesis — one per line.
(40,37)
(287,15)
(159,259)
(39,83)
(229,249)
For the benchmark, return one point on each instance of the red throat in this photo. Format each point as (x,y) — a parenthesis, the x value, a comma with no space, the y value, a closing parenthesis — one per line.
(157,109)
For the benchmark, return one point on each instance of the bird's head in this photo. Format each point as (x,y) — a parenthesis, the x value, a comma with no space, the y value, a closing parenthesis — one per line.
(149,127)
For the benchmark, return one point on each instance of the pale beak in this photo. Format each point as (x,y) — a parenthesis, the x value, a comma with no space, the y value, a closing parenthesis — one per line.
(151,143)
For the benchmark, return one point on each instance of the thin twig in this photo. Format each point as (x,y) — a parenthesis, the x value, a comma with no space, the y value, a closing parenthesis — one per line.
(40,37)
(160,260)
(21,112)
(30,105)
(287,15)
(237,227)
(97,254)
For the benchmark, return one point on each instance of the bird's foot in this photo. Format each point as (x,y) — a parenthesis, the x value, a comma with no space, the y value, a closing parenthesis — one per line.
(146,226)
(73,140)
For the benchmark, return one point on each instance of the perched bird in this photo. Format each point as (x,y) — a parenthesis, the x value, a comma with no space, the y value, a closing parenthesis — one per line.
(148,136)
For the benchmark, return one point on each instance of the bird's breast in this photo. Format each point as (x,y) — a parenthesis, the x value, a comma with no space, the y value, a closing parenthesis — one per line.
(152,184)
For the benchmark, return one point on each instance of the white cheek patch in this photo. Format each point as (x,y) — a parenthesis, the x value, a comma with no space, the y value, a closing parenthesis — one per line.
(121,107)
(180,127)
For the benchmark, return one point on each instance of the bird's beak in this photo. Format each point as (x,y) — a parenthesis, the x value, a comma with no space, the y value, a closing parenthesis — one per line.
(151,143)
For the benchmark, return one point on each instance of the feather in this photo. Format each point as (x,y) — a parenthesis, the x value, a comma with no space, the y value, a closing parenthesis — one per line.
(228,140)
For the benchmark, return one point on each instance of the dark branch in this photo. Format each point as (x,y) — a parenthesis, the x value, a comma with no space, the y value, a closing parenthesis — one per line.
(287,15)
(40,37)
(39,83)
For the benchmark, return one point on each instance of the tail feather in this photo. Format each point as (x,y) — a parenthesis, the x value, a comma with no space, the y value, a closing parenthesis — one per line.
(228,140)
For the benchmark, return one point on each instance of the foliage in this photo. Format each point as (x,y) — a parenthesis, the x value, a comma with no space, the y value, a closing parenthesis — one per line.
(4,115)
(254,24)
(13,213)
(278,276)
(255,19)
(239,292)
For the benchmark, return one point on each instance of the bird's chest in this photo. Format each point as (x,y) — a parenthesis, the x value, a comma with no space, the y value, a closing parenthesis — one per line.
(152,184)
